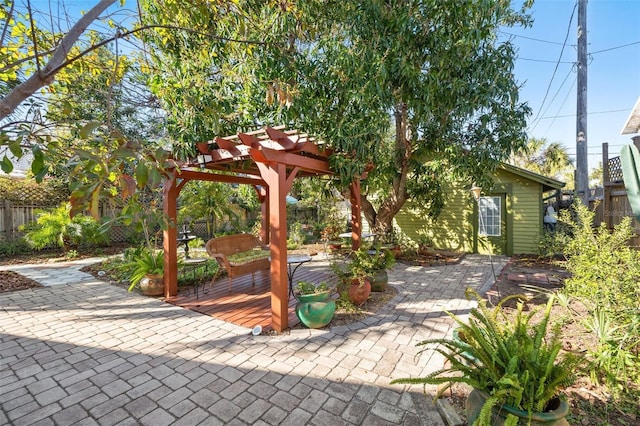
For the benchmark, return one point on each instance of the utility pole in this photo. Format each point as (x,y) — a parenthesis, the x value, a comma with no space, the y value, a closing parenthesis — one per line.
(582,167)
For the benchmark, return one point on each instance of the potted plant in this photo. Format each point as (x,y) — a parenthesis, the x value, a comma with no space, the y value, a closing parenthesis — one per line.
(514,365)
(146,268)
(354,277)
(314,308)
(374,263)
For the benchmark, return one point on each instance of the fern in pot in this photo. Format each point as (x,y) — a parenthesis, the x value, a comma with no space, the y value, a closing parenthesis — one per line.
(513,363)
(146,269)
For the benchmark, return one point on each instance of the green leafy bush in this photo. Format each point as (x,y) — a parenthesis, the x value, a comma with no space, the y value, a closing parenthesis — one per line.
(14,247)
(57,228)
(307,287)
(605,275)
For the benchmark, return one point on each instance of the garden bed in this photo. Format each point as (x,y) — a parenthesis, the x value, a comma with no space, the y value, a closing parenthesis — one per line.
(591,403)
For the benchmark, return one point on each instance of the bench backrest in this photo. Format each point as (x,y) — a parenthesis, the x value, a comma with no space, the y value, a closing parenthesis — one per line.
(231,244)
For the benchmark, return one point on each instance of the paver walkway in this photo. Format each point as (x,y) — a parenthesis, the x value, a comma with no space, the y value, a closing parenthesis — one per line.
(88,353)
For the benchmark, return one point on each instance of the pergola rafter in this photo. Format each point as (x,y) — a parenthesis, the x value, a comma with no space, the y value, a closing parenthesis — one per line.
(269,159)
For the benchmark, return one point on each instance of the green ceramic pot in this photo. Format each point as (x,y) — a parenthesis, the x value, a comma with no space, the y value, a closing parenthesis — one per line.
(555,416)
(379,280)
(315,314)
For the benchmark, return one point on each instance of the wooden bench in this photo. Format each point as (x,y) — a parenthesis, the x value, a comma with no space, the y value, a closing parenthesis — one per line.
(239,254)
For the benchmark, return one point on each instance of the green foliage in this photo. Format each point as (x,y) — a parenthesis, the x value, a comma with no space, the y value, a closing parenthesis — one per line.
(307,287)
(605,275)
(344,303)
(18,246)
(605,270)
(210,201)
(360,75)
(512,358)
(295,236)
(57,228)
(71,254)
(553,243)
(544,158)
(196,243)
(366,260)
(140,262)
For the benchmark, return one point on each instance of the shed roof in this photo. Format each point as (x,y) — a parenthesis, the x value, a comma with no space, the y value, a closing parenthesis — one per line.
(633,122)
(548,184)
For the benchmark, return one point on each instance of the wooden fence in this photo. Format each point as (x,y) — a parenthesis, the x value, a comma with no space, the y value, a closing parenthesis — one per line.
(615,204)
(15,214)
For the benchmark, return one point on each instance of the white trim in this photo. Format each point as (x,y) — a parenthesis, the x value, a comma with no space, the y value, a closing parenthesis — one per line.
(490,216)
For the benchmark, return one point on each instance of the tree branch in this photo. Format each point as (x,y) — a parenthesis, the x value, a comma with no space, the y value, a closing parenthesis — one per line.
(39,79)
(6,24)
(33,36)
(25,59)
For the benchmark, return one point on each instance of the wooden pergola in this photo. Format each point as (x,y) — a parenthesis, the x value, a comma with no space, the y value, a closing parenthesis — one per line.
(268,159)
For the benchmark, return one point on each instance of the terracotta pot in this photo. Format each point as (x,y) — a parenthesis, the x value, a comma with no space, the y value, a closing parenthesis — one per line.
(152,285)
(554,416)
(397,251)
(359,291)
(379,280)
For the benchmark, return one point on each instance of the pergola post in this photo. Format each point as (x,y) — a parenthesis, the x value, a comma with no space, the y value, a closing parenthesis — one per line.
(275,175)
(170,237)
(356,217)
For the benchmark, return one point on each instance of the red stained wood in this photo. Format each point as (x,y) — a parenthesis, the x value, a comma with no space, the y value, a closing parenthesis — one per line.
(245,305)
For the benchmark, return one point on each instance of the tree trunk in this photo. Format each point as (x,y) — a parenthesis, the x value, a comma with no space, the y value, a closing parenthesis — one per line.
(381,221)
(47,74)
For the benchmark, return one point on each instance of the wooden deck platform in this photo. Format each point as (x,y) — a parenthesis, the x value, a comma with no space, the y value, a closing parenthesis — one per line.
(245,305)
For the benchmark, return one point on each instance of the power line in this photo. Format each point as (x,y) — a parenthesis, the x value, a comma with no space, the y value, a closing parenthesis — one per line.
(546,61)
(556,95)
(558,62)
(614,48)
(531,38)
(590,113)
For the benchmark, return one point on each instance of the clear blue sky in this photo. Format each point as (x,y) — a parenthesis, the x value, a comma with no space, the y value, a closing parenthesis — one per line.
(613,75)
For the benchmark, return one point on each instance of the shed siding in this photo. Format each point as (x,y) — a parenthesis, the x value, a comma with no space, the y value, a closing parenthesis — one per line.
(454,228)
(525,207)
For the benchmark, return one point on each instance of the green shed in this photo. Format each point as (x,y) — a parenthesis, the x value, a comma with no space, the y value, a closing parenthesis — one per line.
(510,223)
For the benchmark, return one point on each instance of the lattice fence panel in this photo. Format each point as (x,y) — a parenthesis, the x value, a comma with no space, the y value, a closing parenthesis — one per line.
(615,169)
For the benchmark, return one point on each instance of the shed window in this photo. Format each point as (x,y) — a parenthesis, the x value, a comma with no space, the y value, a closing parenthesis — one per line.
(490,216)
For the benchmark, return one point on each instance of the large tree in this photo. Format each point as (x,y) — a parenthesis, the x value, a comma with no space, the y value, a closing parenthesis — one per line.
(421,89)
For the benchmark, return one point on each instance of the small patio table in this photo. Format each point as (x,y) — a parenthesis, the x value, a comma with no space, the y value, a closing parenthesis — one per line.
(193,264)
(293,262)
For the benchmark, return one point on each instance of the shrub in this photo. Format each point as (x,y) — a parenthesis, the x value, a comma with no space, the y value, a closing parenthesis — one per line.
(14,247)
(605,275)
(57,228)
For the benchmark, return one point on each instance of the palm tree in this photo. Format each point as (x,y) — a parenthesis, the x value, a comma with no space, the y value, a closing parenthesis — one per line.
(547,159)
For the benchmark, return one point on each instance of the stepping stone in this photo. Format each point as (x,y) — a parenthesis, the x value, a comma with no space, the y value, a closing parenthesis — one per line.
(519,278)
